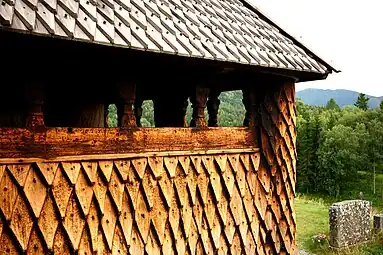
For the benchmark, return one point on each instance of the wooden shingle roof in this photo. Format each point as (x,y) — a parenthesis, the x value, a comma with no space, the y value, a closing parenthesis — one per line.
(223,30)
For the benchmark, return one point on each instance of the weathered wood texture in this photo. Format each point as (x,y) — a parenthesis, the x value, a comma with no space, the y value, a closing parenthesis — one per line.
(199,99)
(212,203)
(227,202)
(54,142)
(276,123)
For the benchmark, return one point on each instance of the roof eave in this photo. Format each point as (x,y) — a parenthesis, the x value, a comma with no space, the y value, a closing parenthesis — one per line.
(249,5)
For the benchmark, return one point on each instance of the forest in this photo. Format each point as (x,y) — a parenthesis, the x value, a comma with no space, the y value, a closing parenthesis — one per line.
(340,149)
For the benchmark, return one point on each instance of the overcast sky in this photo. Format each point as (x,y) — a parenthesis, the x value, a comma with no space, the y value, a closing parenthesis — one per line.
(347,34)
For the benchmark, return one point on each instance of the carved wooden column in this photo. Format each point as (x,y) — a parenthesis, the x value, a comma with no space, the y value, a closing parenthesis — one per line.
(249,101)
(126,117)
(35,98)
(213,107)
(198,100)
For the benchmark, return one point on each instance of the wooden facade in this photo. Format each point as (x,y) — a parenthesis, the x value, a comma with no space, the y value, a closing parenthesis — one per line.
(159,191)
(69,184)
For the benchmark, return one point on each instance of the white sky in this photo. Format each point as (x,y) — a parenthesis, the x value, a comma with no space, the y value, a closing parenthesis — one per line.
(347,34)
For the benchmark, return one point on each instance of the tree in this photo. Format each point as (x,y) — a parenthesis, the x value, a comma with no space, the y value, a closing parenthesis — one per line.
(332,105)
(112,115)
(381,105)
(362,102)
(374,142)
(309,130)
(339,158)
(231,111)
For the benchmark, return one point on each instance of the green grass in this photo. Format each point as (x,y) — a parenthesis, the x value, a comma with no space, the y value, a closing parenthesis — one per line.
(312,219)
(361,182)
(312,215)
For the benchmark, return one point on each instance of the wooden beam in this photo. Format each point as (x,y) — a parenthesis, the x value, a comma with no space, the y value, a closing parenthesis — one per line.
(54,142)
(128,155)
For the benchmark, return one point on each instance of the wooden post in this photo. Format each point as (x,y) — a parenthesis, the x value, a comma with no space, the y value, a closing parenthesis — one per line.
(184,109)
(106,113)
(35,98)
(198,100)
(276,126)
(249,101)
(213,107)
(138,111)
(126,117)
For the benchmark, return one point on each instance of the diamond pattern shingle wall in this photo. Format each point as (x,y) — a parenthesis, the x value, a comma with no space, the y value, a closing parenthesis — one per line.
(223,30)
(200,204)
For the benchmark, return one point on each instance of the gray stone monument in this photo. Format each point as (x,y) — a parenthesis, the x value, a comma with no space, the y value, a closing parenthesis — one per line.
(350,223)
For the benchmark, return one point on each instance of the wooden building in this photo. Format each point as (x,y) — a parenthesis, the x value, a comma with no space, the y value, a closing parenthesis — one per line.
(70,184)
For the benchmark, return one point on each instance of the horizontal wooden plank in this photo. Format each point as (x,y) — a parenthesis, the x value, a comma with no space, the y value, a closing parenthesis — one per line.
(56,142)
(120,156)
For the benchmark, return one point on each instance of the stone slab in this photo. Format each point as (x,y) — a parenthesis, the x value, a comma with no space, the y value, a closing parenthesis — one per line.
(350,223)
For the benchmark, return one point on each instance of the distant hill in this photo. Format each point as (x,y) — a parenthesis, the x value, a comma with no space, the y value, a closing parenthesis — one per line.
(341,96)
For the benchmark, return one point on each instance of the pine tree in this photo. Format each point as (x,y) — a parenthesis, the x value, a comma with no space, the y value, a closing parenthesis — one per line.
(332,105)
(362,102)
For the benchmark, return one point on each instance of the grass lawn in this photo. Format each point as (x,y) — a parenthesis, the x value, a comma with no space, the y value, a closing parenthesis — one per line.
(312,219)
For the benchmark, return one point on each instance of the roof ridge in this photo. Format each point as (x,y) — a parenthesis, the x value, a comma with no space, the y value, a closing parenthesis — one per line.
(265,17)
